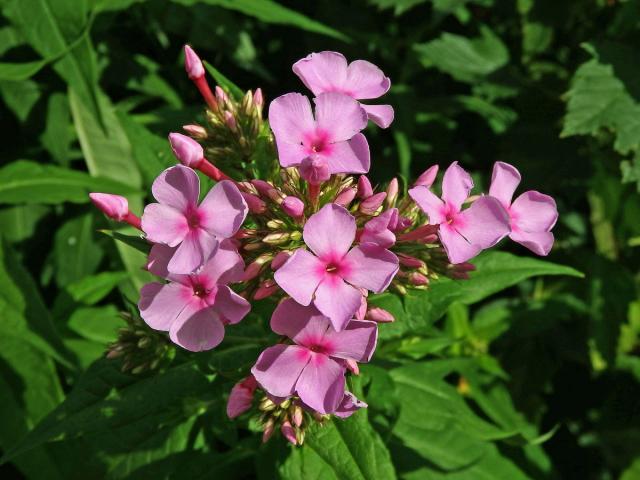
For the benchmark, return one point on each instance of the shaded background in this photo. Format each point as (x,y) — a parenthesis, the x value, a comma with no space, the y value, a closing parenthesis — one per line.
(551,87)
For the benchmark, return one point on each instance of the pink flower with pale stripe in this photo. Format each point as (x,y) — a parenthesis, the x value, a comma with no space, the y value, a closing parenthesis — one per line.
(194,308)
(329,72)
(179,221)
(331,277)
(313,367)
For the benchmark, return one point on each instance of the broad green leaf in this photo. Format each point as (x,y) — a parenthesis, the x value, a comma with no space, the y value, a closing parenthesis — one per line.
(99,324)
(464,58)
(19,223)
(495,271)
(24,181)
(152,84)
(235,91)
(76,253)
(91,289)
(57,135)
(269,11)
(20,97)
(17,72)
(9,38)
(134,241)
(305,464)
(351,448)
(121,409)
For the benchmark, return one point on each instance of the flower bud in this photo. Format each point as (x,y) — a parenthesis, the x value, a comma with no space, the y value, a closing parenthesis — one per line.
(288,432)
(263,187)
(241,397)
(418,279)
(258,98)
(280,259)
(314,170)
(293,206)
(266,289)
(115,207)
(192,64)
(268,429)
(230,120)
(345,197)
(424,234)
(392,192)
(253,270)
(256,204)
(380,315)
(186,150)
(195,131)
(277,238)
(409,261)
(221,96)
(365,190)
(427,177)
(352,365)
(372,204)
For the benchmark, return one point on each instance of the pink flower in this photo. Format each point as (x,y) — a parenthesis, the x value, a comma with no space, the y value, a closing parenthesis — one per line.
(462,233)
(313,367)
(332,136)
(379,230)
(192,63)
(178,221)
(329,72)
(241,397)
(194,308)
(427,177)
(332,277)
(349,405)
(115,207)
(532,215)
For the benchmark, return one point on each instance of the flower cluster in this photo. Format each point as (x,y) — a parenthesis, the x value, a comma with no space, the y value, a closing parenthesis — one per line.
(288,219)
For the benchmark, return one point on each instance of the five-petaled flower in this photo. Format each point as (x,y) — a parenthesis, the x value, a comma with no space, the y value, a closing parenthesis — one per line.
(333,277)
(463,233)
(313,367)
(194,308)
(329,72)
(532,215)
(178,221)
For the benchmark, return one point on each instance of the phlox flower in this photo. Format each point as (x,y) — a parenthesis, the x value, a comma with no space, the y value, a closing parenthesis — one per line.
(241,397)
(331,137)
(178,221)
(313,367)
(329,72)
(532,215)
(380,230)
(331,277)
(463,233)
(194,308)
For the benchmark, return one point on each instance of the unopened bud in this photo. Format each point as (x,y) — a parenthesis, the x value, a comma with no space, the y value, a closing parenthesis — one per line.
(277,238)
(268,429)
(253,270)
(427,177)
(293,206)
(258,98)
(280,260)
(424,234)
(365,190)
(266,289)
(372,204)
(409,261)
(115,207)
(315,170)
(352,365)
(195,131)
(288,432)
(392,192)
(275,224)
(256,204)
(297,416)
(230,120)
(221,96)
(192,64)
(186,150)
(345,197)
(263,187)
(417,279)
(380,315)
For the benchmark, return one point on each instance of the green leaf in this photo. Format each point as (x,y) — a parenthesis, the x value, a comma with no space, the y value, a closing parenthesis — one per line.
(91,289)
(24,181)
(134,241)
(99,324)
(20,97)
(57,135)
(495,271)
(17,72)
(235,91)
(463,58)
(76,253)
(19,223)
(269,11)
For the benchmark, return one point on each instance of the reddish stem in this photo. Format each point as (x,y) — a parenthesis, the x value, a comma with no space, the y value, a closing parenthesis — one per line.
(206,92)
(211,171)
(133,220)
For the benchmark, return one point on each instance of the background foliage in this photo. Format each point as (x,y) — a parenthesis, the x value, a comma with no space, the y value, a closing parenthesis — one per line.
(529,370)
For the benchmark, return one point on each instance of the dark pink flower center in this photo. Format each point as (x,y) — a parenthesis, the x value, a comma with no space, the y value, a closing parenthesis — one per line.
(317,142)
(200,291)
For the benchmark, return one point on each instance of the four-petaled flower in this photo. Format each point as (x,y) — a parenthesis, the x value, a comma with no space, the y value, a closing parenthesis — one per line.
(333,277)
(329,72)
(463,233)
(313,367)
(178,221)
(331,138)
(194,308)
(532,215)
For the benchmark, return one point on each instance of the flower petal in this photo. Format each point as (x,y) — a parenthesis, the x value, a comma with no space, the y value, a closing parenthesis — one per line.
(339,115)
(381,115)
(278,368)
(158,262)
(164,224)
(484,223)
(298,322)
(177,187)
(291,118)
(322,72)
(196,248)
(429,203)
(534,212)
(337,300)
(296,276)
(349,405)
(457,247)
(229,305)
(321,384)
(539,243)
(224,266)
(352,156)
(223,210)
(456,185)
(370,266)
(504,181)
(357,341)
(160,304)
(197,329)
(365,80)
(330,232)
